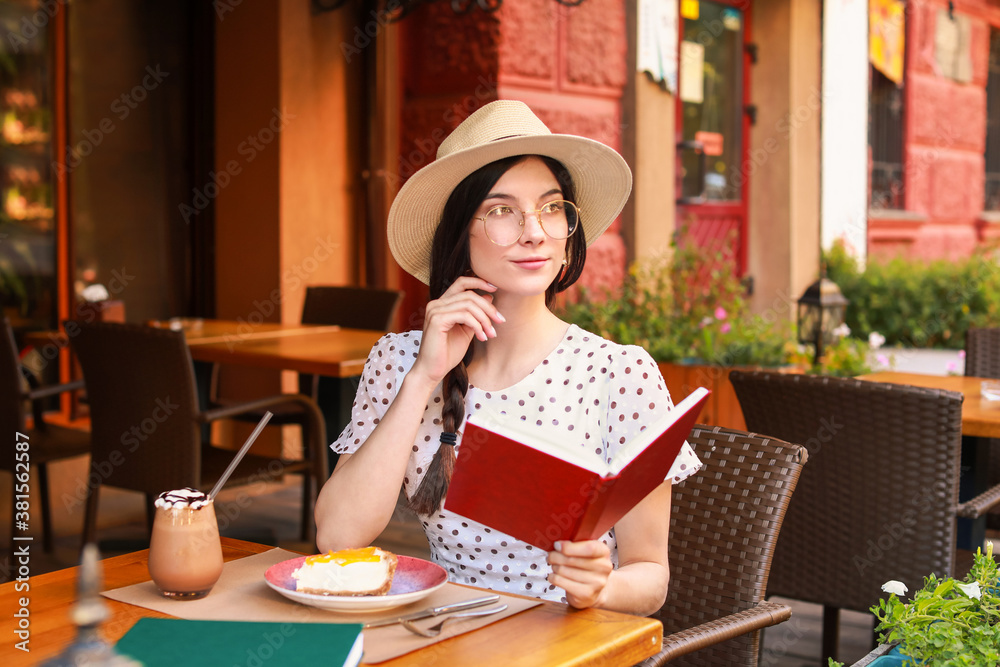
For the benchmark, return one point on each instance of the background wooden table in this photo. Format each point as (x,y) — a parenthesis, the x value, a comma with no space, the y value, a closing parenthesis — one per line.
(550,634)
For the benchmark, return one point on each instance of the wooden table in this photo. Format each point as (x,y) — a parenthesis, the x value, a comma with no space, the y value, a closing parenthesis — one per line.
(550,634)
(980,421)
(305,348)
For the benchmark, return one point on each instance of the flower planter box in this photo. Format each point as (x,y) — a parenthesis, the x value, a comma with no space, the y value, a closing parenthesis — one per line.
(722,408)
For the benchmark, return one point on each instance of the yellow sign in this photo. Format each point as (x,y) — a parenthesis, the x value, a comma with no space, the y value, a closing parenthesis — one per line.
(886,37)
(690,9)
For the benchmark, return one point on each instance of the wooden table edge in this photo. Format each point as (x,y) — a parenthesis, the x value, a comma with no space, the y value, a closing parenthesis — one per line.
(627,647)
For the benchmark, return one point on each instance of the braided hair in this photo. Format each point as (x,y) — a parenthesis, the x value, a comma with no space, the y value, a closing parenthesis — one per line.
(450,260)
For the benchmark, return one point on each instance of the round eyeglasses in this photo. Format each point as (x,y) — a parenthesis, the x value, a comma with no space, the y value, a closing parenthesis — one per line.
(504,224)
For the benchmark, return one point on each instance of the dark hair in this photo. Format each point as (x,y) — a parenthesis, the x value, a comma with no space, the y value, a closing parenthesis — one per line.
(450,260)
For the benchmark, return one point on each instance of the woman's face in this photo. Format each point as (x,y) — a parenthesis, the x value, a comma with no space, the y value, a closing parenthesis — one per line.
(530,264)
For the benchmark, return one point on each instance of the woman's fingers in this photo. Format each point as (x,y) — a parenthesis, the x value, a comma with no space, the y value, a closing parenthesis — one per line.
(581,569)
(468,285)
(468,309)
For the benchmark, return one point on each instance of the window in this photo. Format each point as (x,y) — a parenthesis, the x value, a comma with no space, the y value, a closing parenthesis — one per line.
(885,141)
(991,201)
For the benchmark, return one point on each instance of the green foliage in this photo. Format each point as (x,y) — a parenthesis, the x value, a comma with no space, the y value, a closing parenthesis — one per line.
(690,306)
(945,626)
(918,304)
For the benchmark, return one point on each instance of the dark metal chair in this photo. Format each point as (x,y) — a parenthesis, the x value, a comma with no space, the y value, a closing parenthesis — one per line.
(146,423)
(724,521)
(879,499)
(45,442)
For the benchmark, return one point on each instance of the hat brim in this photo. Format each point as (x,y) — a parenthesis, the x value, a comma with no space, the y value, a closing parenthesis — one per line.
(601,177)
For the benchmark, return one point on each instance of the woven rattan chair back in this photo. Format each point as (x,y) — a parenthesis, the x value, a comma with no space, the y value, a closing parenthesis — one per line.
(982,359)
(143,402)
(351,307)
(877,500)
(982,353)
(12,412)
(724,521)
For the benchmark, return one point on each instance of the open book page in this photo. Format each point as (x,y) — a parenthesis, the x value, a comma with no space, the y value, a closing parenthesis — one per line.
(584,457)
(529,434)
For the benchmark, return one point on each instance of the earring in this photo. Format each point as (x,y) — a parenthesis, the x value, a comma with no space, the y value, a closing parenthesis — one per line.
(564,262)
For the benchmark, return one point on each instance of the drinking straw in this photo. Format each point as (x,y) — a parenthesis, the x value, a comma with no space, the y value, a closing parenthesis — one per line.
(239,455)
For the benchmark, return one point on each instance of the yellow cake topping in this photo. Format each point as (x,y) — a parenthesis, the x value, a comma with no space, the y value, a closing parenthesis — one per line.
(347,556)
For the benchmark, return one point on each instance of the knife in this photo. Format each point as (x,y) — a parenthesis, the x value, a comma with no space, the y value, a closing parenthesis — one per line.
(436,611)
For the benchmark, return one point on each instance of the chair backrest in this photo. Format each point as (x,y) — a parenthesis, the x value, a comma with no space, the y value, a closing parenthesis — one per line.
(877,500)
(724,521)
(12,406)
(143,404)
(982,353)
(351,307)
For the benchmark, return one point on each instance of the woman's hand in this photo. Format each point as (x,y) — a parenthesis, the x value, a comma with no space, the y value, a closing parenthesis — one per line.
(582,569)
(451,321)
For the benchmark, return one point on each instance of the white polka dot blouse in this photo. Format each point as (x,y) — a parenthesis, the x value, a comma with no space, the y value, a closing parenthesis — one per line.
(588,389)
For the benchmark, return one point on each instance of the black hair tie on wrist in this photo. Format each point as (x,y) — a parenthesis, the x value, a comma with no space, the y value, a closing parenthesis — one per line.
(450,439)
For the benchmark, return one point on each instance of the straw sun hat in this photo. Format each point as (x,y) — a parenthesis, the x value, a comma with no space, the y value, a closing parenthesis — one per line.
(498,130)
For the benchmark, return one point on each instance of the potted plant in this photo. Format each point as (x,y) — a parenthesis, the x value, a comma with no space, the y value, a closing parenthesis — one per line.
(947,623)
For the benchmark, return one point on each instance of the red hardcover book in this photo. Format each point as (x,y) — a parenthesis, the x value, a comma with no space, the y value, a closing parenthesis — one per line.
(541,492)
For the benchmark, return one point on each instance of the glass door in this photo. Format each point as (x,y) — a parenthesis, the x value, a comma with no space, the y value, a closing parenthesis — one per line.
(712,127)
(28,292)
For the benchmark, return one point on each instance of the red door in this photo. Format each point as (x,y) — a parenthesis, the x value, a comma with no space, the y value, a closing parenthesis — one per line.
(713,127)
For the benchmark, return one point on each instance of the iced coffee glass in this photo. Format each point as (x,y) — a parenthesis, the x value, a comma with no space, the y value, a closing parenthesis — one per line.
(185,555)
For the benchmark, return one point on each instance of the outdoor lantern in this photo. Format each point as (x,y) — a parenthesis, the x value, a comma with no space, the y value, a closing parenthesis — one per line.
(822,308)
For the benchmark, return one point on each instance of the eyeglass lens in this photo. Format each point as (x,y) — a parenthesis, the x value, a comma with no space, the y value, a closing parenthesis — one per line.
(505,224)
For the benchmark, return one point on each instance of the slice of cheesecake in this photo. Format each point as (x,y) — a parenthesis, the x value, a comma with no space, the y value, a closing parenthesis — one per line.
(366,571)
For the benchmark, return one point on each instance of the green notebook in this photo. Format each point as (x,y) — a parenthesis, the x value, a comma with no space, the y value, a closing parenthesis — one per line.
(173,642)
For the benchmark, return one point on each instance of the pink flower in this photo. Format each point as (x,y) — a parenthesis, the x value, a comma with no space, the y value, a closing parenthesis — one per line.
(720,313)
(725,328)
(961,354)
(882,360)
(952,367)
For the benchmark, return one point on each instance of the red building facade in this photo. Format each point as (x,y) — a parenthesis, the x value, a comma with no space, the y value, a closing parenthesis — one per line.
(949,135)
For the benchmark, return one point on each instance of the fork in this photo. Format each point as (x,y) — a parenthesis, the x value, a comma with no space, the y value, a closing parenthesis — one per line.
(435,630)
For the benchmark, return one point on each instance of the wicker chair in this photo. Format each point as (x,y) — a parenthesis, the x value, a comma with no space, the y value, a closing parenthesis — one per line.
(880,496)
(47,442)
(982,359)
(724,521)
(982,353)
(350,307)
(146,423)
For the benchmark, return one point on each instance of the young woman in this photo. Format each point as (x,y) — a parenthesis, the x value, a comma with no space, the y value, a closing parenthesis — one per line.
(497,225)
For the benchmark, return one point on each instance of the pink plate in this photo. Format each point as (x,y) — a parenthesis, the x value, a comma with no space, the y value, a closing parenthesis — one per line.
(414,579)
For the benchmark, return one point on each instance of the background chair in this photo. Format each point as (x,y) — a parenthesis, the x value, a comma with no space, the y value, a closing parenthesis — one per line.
(880,496)
(47,442)
(982,352)
(724,521)
(348,307)
(982,359)
(146,424)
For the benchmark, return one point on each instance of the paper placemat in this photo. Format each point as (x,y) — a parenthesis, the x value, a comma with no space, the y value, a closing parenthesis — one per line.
(242,595)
